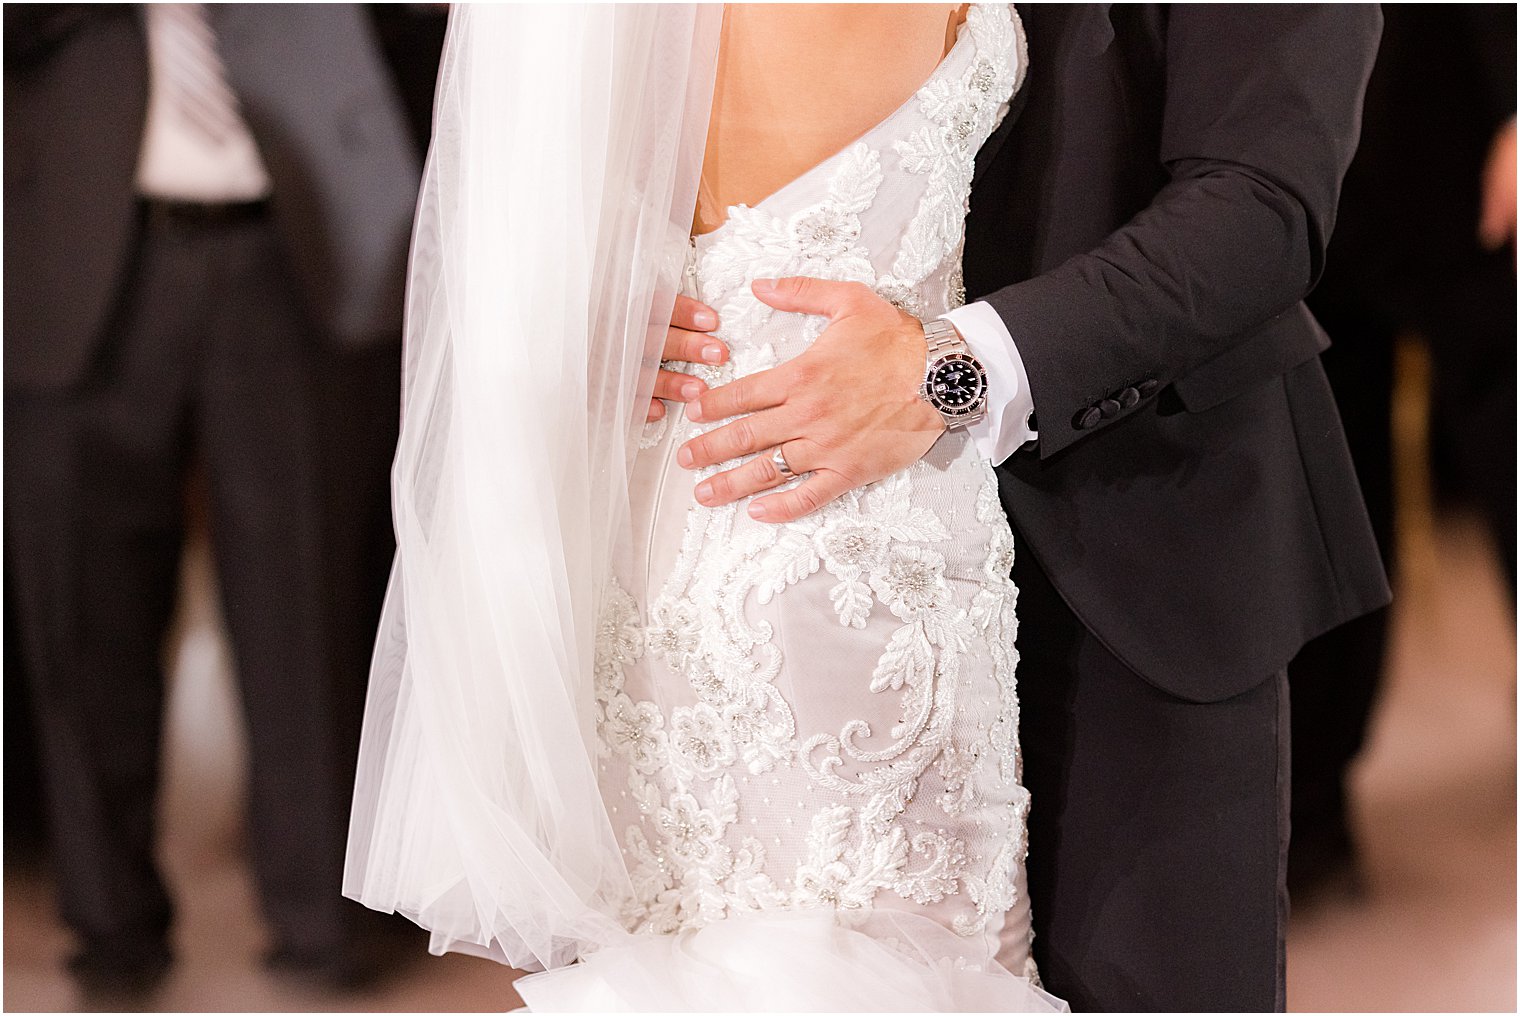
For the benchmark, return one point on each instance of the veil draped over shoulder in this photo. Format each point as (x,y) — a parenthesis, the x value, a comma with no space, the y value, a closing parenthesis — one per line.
(550,238)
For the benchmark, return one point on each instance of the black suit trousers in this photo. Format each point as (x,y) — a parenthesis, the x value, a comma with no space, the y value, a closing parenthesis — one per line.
(210,357)
(1158,829)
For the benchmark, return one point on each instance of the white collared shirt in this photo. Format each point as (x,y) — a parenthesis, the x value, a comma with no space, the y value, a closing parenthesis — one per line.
(179,163)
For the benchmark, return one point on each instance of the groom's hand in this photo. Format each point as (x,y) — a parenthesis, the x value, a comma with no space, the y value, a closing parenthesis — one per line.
(686,341)
(847,411)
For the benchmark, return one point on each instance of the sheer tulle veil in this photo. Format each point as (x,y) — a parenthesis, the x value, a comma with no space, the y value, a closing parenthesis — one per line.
(550,235)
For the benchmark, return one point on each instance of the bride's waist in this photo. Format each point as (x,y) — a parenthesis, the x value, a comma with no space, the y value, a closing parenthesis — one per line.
(757,346)
(746,325)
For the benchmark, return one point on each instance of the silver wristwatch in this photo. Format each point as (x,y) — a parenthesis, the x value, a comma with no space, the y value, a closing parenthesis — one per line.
(955,382)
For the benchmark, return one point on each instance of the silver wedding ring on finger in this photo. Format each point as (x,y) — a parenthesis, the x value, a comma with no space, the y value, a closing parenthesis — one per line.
(778,459)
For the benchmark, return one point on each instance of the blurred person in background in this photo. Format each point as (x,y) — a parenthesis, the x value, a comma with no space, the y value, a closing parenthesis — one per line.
(1424,243)
(411,36)
(207,212)
(24,823)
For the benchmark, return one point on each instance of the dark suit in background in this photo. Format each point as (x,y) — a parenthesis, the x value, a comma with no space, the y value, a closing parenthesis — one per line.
(260,341)
(412,37)
(25,813)
(1147,227)
(1406,257)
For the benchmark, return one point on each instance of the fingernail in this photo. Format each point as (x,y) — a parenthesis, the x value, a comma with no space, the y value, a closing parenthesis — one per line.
(704,491)
(712,353)
(690,390)
(764,285)
(757,510)
(705,319)
(694,412)
(684,457)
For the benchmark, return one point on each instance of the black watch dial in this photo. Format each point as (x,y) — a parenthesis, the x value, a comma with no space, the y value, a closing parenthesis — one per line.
(957,384)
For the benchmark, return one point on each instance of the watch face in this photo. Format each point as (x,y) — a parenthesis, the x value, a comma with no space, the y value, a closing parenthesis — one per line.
(957,384)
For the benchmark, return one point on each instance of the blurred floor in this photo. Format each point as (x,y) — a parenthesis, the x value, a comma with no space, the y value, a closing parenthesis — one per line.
(1434,791)
(1435,810)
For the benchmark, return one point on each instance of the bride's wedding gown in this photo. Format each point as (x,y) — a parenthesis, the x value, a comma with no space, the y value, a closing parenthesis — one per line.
(822,716)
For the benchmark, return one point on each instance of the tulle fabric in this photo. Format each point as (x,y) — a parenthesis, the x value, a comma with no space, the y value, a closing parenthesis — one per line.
(803,961)
(547,251)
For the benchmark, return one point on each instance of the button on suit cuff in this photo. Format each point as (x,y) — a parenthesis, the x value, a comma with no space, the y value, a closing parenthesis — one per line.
(1010,404)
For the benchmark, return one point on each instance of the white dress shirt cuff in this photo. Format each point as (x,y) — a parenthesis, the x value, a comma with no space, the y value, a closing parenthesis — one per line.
(1010,404)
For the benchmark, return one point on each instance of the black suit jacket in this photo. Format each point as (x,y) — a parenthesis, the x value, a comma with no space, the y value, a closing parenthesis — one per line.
(321,104)
(1147,226)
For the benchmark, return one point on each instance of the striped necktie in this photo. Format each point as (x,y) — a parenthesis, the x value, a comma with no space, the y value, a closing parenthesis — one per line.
(194,77)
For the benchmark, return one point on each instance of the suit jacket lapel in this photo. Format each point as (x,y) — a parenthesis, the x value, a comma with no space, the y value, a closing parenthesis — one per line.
(989,149)
(1026,14)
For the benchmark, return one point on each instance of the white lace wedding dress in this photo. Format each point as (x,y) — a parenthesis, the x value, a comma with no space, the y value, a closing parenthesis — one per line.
(821,717)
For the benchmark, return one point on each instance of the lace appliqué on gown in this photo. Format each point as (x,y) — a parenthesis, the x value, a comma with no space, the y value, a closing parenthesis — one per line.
(824,714)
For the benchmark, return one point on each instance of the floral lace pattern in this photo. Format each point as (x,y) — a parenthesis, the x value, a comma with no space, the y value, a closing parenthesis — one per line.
(824,713)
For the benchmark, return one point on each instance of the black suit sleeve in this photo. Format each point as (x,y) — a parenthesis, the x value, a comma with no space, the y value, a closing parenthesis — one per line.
(1261,118)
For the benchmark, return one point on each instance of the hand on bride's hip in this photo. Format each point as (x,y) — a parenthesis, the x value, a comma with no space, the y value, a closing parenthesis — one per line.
(846,412)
